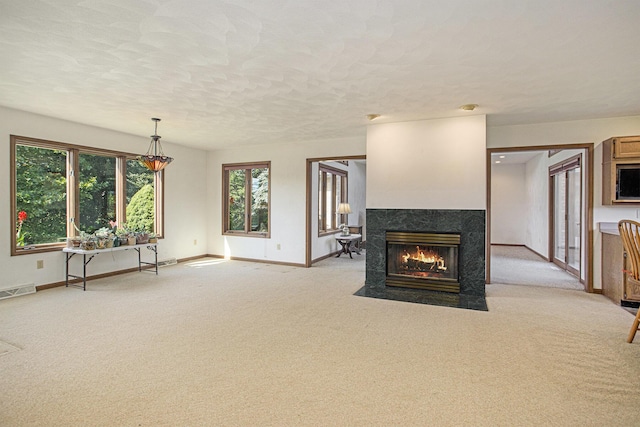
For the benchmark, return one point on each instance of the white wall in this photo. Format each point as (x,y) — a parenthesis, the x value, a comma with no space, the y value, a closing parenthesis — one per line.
(537,204)
(358,194)
(509,213)
(429,164)
(288,197)
(571,132)
(185,215)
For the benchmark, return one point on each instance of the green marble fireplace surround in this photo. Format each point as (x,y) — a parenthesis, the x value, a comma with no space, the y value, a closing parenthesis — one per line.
(470,224)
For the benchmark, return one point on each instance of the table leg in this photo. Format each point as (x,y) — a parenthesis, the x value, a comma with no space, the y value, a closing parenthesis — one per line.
(66,270)
(345,248)
(84,271)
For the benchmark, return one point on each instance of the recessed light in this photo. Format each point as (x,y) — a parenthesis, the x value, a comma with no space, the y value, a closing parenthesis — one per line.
(498,161)
(372,116)
(502,157)
(468,107)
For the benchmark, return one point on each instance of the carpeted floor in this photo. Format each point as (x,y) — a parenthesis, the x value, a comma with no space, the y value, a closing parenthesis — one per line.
(518,265)
(234,343)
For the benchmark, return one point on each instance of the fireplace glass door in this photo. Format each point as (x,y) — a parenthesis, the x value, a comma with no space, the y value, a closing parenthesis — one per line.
(423,260)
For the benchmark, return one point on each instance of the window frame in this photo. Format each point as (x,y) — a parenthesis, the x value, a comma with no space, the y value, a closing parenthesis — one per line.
(247,167)
(323,170)
(73,191)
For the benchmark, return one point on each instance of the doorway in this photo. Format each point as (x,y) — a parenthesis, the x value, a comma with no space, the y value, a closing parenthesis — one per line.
(566,214)
(356,196)
(544,242)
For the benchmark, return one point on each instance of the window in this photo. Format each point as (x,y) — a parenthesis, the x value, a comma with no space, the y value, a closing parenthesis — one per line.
(332,190)
(246,199)
(55,186)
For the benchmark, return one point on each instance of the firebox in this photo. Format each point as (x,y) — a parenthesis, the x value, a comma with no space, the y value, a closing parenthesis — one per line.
(423,261)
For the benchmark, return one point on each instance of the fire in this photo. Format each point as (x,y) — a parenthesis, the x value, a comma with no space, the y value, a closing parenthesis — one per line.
(427,257)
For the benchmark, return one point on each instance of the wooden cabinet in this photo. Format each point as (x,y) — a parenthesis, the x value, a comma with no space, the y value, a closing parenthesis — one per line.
(612,255)
(620,152)
(615,284)
(625,147)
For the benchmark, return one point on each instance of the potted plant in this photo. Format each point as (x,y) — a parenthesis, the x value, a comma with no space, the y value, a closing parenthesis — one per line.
(103,238)
(87,241)
(121,236)
(127,235)
(142,237)
(153,238)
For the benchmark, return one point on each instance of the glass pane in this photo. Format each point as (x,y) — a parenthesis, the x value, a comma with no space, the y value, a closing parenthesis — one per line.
(236,193)
(97,178)
(140,197)
(559,182)
(574,217)
(41,195)
(320,204)
(338,199)
(328,216)
(260,200)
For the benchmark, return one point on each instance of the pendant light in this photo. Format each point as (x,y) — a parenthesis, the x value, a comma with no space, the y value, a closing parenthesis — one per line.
(155,160)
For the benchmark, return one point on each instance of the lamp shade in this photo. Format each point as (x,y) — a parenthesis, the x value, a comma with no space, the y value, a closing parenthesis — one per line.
(155,160)
(344,208)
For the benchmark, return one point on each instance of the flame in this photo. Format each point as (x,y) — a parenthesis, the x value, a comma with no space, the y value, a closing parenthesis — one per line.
(425,256)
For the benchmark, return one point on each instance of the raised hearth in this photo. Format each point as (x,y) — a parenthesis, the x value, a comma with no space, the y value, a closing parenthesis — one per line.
(464,287)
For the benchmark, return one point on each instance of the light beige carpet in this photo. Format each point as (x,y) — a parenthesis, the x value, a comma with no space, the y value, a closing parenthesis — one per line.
(241,344)
(518,265)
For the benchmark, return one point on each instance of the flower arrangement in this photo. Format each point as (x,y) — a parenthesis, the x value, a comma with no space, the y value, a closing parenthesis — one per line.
(22,217)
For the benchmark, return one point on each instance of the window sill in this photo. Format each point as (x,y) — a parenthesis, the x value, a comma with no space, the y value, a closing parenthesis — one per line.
(243,234)
(36,249)
(328,232)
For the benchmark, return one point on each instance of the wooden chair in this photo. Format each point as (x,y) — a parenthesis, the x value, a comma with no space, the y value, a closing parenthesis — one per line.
(630,234)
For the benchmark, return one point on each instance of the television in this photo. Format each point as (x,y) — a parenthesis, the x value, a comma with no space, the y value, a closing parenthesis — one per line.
(628,182)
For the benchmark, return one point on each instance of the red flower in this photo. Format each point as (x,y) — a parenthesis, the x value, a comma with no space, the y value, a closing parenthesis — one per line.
(22,216)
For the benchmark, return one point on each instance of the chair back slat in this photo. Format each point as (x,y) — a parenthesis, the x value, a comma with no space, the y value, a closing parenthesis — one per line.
(630,234)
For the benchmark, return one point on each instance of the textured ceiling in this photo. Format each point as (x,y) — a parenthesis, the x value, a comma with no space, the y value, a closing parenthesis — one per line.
(246,72)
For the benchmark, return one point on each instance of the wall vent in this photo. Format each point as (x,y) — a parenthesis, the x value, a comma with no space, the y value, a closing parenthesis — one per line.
(170,261)
(17,291)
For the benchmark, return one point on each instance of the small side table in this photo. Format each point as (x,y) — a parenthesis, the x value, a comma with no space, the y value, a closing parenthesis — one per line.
(356,229)
(346,241)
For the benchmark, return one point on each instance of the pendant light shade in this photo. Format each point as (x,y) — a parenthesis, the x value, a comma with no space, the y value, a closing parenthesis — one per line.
(155,160)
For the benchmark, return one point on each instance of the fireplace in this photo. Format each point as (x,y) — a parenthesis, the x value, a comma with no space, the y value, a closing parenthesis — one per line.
(423,261)
(456,236)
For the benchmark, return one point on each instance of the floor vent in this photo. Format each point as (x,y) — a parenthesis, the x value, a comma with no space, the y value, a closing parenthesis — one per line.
(170,261)
(17,291)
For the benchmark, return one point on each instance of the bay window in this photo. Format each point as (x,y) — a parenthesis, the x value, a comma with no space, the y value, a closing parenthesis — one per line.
(58,188)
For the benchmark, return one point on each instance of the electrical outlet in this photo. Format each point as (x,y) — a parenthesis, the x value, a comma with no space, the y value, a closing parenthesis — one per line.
(278,246)
(40,264)
(637,213)
(195,242)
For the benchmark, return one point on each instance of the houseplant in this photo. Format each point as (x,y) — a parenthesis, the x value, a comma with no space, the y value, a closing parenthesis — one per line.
(104,238)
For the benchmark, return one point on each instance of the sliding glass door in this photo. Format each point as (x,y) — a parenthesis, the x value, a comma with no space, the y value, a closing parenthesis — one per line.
(566,214)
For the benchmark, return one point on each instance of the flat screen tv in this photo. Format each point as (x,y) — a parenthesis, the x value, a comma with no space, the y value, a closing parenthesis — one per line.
(628,187)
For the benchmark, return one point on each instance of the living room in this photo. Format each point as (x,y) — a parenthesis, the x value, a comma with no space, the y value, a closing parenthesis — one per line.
(268,327)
